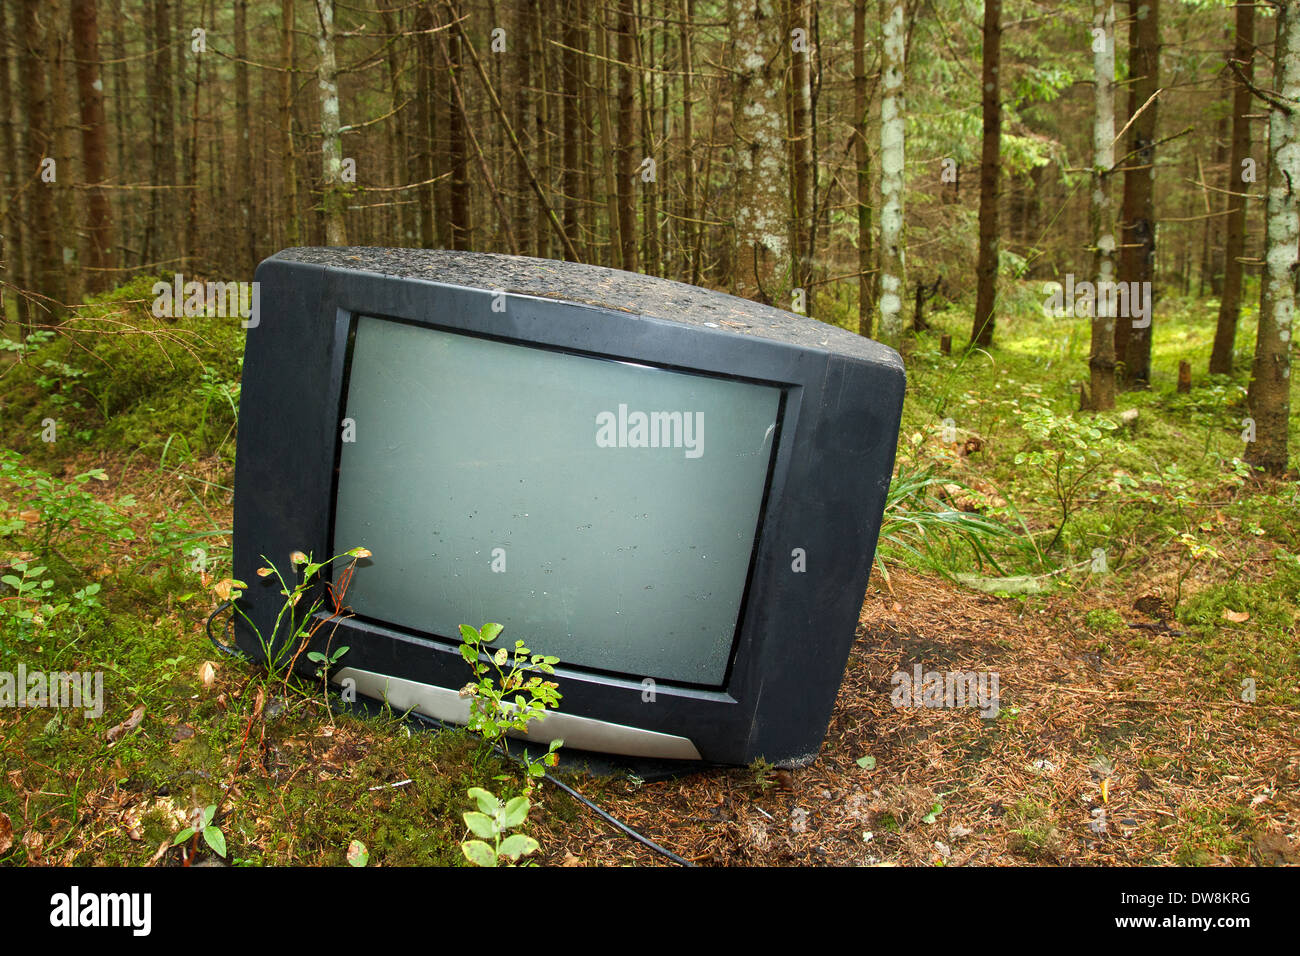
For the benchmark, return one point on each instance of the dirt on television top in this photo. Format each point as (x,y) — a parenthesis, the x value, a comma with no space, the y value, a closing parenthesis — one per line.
(601,288)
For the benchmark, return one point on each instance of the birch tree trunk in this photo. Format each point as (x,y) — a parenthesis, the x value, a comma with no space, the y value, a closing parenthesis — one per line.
(331,137)
(986,270)
(1270,389)
(801,149)
(1101,362)
(862,154)
(762,233)
(893,266)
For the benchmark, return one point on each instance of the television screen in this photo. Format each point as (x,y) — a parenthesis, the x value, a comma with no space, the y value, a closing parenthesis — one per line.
(573,499)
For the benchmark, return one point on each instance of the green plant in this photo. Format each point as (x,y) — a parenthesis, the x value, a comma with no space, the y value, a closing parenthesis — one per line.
(202,824)
(492,822)
(293,629)
(918,522)
(1067,453)
(58,509)
(498,675)
(34,604)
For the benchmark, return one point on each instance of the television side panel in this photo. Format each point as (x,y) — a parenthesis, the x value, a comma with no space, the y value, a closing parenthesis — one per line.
(817,565)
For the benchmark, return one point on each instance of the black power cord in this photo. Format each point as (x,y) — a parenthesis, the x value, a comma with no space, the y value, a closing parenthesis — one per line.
(227,649)
(599,811)
(605,815)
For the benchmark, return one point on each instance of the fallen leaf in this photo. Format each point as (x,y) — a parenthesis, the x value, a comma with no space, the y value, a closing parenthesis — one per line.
(207,673)
(570,860)
(182,732)
(358,855)
(6,833)
(31,517)
(130,723)
(1236,617)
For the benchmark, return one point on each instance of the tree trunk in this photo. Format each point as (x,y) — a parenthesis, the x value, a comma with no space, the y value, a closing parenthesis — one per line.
(1138,252)
(801,149)
(862,154)
(424,113)
(333,198)
(192,165)
(893,266)
(1270,387)
(986,271)
(94,143)
(690,272)
(393,61)
(1101,362)
(572,60)
(458,157)
(66,214)
(128,210)
(46,272)
(244,148)
(610,176)
(287,58)
(1225,333)
(541,152)
(626,150)
(13,224)
(164,149)
(439,132)
(647,186)
(762,190)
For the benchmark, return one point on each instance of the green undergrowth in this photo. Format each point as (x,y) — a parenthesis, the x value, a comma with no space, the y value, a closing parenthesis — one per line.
(115,378)
(117,532)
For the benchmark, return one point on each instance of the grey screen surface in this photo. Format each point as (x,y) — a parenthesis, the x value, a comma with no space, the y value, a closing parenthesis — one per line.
(549,492)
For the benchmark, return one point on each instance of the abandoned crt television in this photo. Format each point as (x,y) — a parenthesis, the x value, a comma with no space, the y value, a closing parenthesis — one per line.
(674,491)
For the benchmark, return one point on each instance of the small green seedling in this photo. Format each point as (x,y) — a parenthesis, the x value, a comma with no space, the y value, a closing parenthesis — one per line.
(491,823)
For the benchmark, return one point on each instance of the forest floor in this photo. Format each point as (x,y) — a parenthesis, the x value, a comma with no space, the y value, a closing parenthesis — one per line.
(1148,704)
(1190,778)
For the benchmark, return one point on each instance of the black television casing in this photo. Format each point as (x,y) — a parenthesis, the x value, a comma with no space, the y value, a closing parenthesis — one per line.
(826,489)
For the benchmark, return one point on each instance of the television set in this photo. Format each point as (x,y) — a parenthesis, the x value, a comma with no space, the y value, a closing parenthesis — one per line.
(675,491)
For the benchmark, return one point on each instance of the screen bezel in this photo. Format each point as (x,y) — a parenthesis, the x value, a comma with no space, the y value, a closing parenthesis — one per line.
(352,318)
